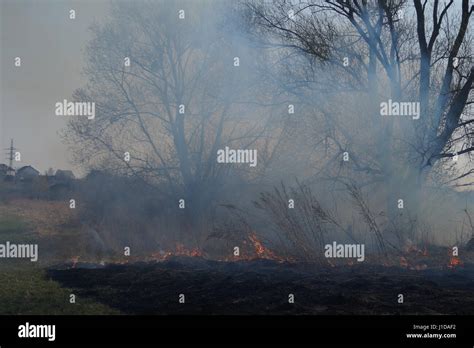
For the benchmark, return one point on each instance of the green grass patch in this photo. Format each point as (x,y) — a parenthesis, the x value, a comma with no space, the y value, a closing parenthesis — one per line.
(24,287)
(12,224)
(15,230)
(25,290)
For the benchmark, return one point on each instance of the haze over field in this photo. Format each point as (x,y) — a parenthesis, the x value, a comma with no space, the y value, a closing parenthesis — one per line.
(52,50)
(237,157)
(218,102)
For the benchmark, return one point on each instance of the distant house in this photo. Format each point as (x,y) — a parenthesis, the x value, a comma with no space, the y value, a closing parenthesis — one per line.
(61,184)
(95,173)
(6,171)
(64,175)
(26,173)
(3,169)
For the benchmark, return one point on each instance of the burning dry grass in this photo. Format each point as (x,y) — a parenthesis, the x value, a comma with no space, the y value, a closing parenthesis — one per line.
(48,219)
(301,230)
(257,281)
(253,248)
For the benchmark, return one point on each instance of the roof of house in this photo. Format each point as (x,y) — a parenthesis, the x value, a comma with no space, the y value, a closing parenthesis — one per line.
(6,170)
(65,173)
(22,169)
(4,166)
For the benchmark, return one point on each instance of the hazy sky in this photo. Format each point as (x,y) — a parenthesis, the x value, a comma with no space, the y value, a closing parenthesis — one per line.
(51,47)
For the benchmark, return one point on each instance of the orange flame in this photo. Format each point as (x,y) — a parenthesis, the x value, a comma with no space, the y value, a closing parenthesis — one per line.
(403,262)
(180,250)
(183,251)
(74,260)
(454,262)
(260,250)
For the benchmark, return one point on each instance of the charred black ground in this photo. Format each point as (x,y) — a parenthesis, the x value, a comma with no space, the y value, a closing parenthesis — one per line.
(262,287)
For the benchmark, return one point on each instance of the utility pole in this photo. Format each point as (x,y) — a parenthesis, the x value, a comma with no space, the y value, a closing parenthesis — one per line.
(11,154)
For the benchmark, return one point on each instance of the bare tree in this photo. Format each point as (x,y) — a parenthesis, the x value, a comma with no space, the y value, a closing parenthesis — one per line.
(375,50)
(166,91)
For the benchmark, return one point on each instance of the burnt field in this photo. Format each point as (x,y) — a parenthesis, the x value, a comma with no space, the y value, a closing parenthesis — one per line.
(263,286)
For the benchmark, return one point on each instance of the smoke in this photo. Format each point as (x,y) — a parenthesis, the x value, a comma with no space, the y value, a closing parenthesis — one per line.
(176,83)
